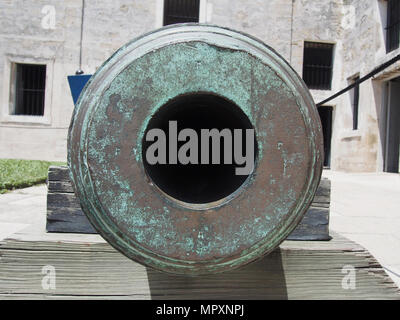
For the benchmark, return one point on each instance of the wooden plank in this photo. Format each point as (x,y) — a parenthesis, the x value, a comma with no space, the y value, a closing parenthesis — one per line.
(324,188)
(62,200)
(321,205)
(297,270)
(65,215)
(60,186)
(321,199)
(314,226)
(67,219)
(58,173)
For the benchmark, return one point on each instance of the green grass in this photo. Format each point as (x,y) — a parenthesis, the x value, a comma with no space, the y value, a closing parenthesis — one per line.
(16,174)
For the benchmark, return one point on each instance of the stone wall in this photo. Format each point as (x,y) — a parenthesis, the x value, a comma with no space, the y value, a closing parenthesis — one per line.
(107,26)
(356,28)
(363,49)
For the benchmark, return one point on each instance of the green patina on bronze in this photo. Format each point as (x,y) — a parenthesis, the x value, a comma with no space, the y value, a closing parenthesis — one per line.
(105,150)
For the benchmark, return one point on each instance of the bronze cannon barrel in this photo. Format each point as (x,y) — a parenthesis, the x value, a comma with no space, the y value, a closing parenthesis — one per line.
(193,216)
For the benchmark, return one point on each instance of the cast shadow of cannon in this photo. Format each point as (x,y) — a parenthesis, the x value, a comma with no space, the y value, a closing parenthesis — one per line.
(263,279)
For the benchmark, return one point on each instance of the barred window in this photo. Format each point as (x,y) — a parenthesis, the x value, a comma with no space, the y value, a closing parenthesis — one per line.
(29,89)
(181,11)
(393,25)
(318,65)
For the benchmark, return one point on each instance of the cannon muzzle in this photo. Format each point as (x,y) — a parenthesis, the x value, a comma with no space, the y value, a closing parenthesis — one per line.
(195,149)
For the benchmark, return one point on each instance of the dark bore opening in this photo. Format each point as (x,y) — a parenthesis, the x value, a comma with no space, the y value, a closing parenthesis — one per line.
(198,183)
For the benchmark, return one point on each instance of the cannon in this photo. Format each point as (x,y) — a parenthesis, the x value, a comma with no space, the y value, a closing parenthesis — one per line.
(195,217)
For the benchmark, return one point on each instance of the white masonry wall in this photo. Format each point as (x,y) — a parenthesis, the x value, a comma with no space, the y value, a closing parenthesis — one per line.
(355,27)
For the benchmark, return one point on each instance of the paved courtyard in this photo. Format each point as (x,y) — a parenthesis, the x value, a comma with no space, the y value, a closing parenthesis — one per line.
(364,207)
(22,208)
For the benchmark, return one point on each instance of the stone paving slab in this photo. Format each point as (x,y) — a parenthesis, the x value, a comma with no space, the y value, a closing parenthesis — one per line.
(365,207)
(7,229)
(22,207)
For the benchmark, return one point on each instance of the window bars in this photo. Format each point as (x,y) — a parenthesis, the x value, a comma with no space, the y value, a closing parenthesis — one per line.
(30,89)
(181,11)
(393,25)
(318,65)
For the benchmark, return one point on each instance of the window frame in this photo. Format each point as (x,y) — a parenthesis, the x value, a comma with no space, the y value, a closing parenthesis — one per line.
(164,18)
(9,88)
(30,89)
(205,12)
(392,25)
(321,87)
(355,102)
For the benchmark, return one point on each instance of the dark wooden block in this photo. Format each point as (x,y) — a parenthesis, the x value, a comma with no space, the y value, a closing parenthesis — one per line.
(58,173)
(62,200)
(65,215)
(68,221)
(314,226)
(60,186)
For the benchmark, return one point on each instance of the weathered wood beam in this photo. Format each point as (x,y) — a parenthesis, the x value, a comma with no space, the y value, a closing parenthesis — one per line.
(65,215)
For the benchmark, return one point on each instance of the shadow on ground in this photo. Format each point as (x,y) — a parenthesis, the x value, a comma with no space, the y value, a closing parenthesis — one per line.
(263,279)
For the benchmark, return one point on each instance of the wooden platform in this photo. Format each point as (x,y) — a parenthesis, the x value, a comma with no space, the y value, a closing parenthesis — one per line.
(297,270)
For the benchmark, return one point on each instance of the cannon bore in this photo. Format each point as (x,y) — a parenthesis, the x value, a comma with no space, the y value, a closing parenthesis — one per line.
(206,170)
